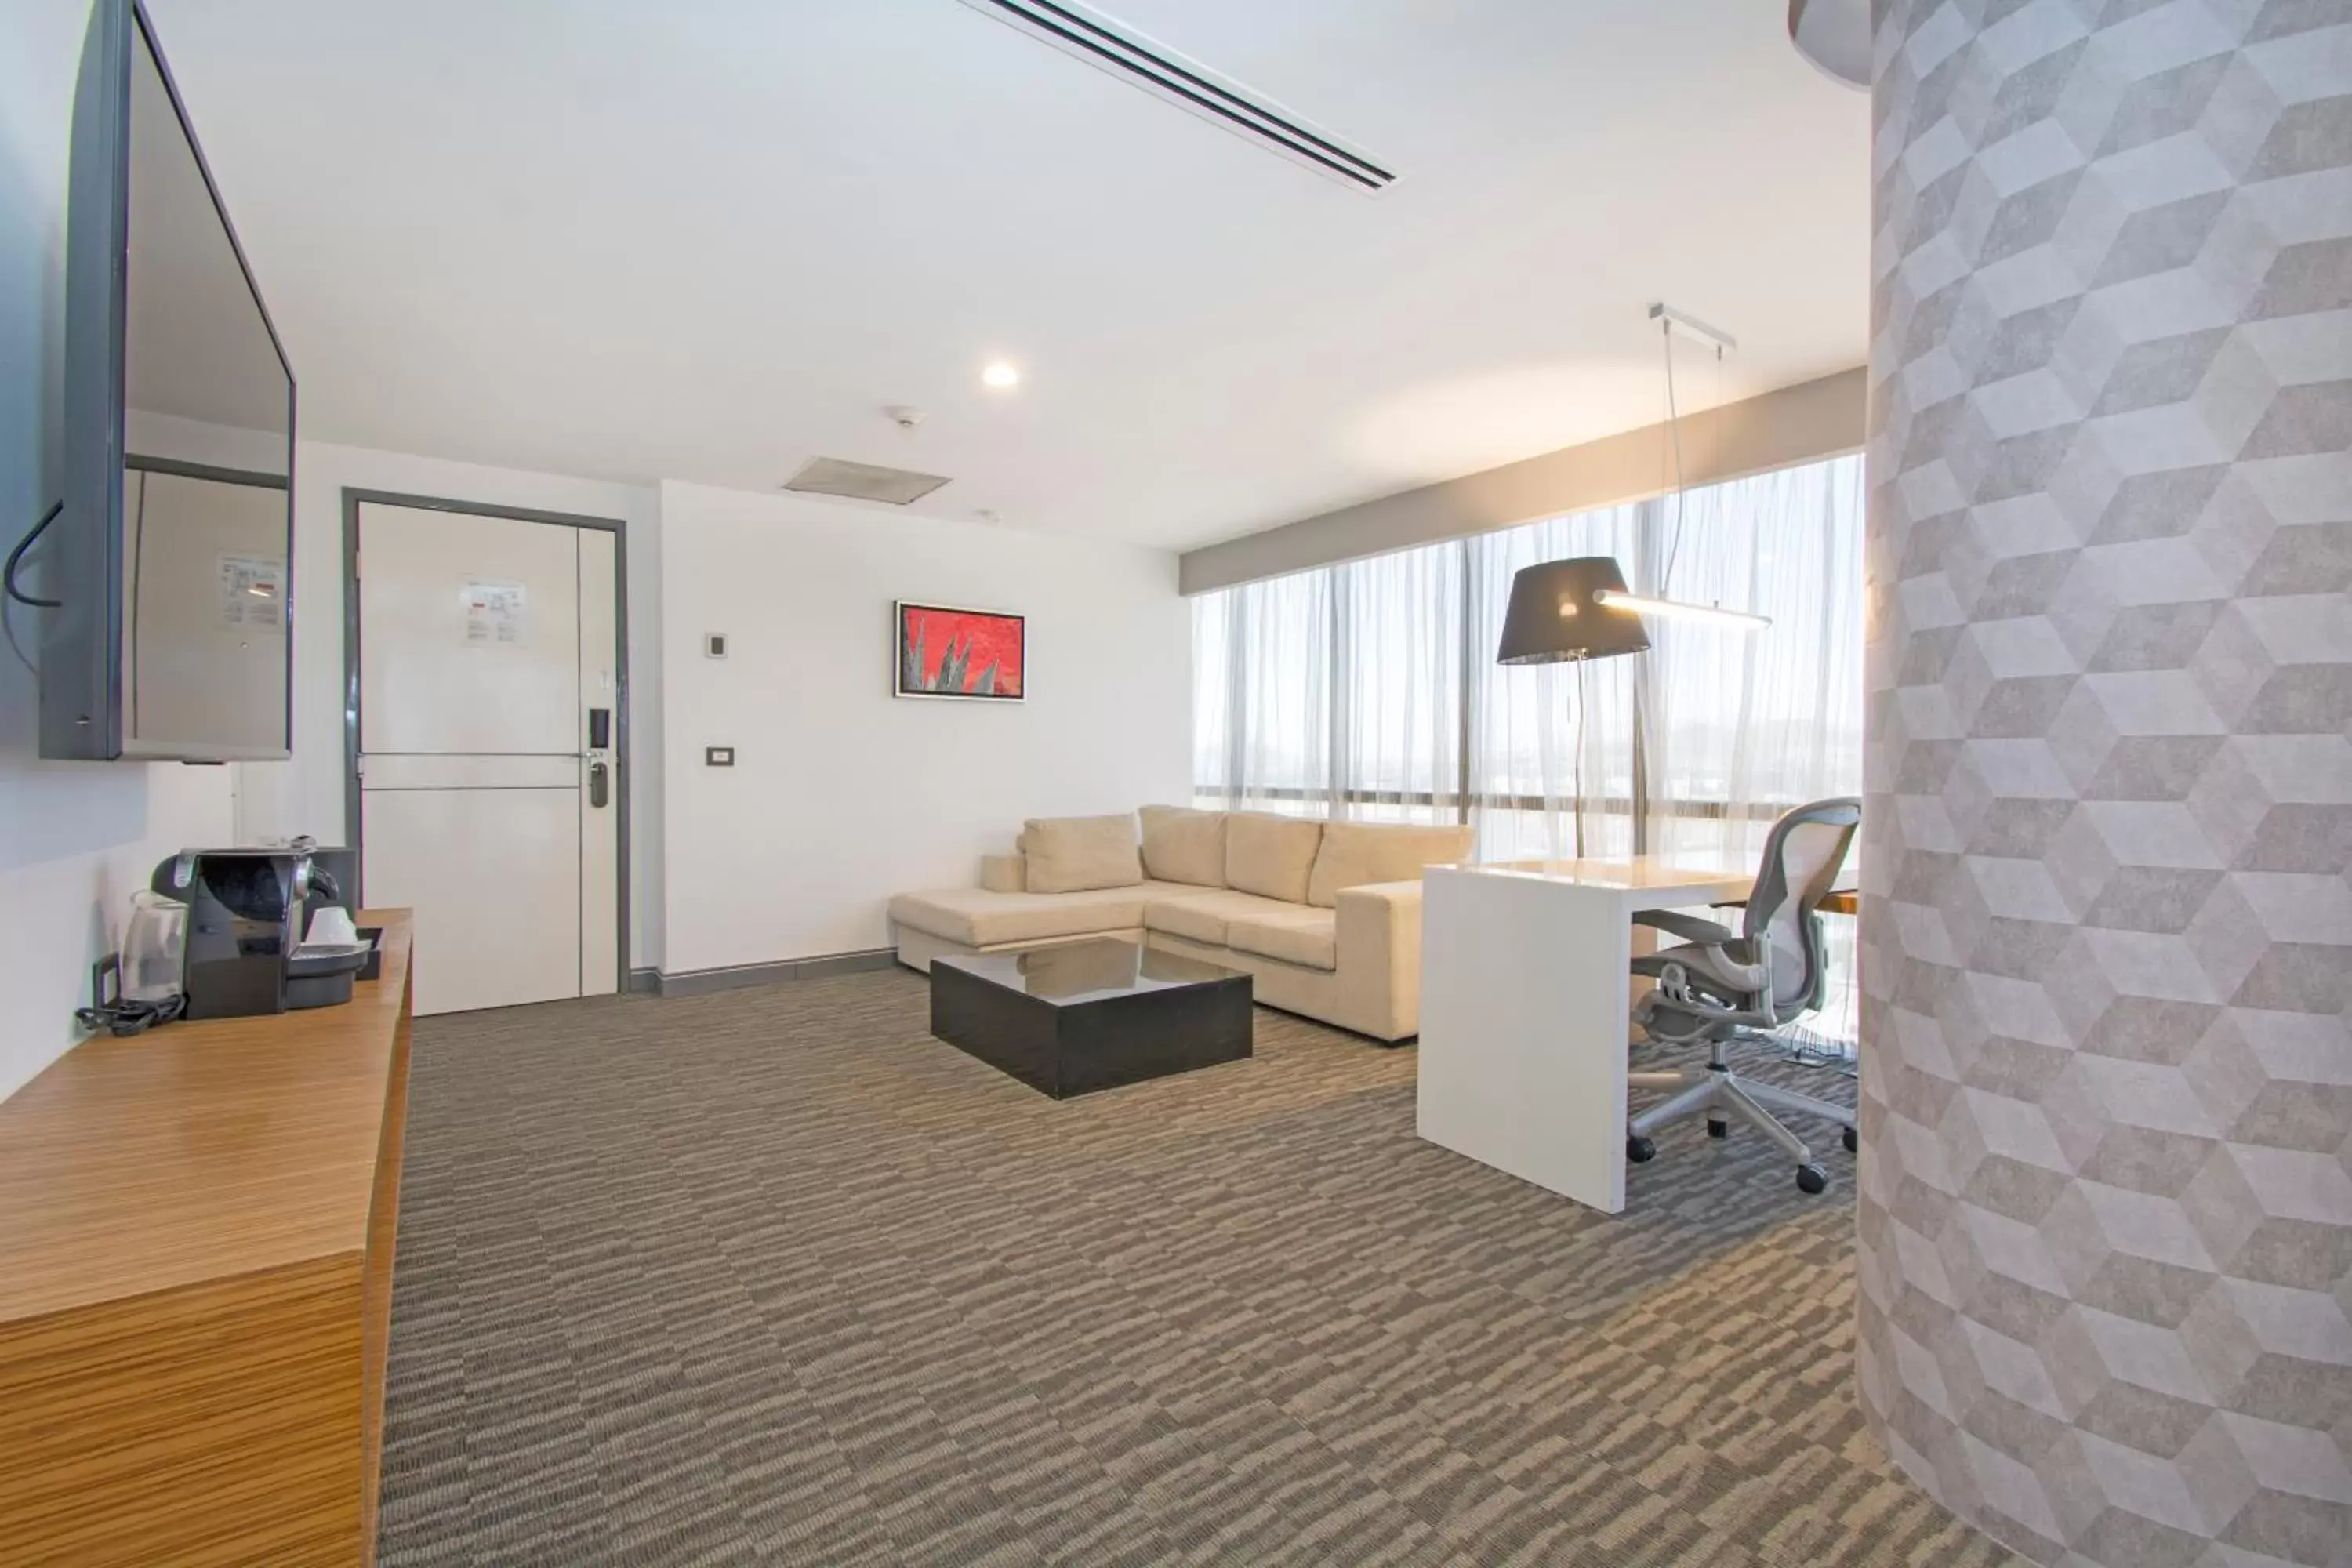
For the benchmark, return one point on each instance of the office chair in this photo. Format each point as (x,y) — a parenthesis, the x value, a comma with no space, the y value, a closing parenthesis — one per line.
(1720,985)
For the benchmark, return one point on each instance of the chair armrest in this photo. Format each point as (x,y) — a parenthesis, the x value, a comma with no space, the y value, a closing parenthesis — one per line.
(1700,1007)
(1003,874)
(1690,928)
(1735,968)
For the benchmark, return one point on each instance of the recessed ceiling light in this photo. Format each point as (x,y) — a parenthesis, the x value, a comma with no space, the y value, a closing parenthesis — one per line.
(1001,374)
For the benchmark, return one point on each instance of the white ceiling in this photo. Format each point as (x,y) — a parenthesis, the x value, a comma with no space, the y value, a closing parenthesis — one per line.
(707,239)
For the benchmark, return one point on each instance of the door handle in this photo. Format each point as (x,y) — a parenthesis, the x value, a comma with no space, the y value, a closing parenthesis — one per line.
(599,783)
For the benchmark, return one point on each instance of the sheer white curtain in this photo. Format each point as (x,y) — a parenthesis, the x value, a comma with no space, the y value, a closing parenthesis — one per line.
(1757,722)
(1216,672)
(1334,693)
(1398,692)
(1263,696)
(1370,689)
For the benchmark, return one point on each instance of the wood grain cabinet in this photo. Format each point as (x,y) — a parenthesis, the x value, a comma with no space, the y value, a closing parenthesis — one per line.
(196,1230)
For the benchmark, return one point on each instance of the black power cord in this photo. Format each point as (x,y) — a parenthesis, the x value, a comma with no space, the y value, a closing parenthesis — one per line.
(118,1015)
(16,556)
(123,1019)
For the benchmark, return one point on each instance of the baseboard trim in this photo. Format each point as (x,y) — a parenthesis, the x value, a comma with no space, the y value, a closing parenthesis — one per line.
(702,982)
(643,982)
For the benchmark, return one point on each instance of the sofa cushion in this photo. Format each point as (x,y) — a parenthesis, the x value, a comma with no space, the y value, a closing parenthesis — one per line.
(1201,915)
(1076,854)
(1355,853)
(1181,846)
(978,918)
(1270,855)
(1295,936)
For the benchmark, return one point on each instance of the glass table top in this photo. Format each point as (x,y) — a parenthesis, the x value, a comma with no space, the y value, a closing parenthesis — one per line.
(1089,971)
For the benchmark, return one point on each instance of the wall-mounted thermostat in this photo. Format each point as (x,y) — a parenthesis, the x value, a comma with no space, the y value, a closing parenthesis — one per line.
(718,757)
(714,644)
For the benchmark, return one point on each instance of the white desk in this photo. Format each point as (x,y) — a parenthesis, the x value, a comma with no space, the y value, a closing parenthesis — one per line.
(1526,1011)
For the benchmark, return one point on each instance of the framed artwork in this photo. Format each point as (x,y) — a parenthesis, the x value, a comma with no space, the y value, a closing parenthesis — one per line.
(980,656)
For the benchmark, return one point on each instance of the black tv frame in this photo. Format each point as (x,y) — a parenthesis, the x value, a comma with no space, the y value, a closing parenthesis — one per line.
(82,697)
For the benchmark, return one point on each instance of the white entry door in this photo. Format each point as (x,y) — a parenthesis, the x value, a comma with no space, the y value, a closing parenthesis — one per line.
(490,788)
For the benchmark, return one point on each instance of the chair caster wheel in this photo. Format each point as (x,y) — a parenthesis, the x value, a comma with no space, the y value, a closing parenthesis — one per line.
(1812,1179)
(1641,1150)
(1716,1127)
(1852,1142)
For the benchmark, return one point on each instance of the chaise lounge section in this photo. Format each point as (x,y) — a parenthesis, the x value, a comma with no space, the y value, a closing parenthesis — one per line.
(1325,917)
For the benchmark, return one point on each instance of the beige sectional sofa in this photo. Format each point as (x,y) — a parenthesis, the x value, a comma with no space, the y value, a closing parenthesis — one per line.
(1326,917)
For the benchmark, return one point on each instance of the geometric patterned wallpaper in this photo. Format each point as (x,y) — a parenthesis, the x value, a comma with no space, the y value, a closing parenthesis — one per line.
(2105,1186)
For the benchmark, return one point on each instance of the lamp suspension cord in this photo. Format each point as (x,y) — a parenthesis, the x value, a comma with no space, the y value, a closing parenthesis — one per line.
(1675,441)
(16,557)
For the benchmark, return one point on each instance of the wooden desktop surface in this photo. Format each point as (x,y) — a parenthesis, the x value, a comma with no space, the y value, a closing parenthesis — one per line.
(196,1229)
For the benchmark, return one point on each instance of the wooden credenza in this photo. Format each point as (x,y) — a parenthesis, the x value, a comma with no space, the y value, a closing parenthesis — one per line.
(196,1230)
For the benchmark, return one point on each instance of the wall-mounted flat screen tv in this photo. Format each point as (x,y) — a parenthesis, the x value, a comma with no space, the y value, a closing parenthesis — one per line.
(171,562)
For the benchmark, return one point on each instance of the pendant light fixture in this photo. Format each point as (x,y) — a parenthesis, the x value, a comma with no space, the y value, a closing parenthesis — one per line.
(1674,609)
(1581,608)
(1559,612)
(1671,321)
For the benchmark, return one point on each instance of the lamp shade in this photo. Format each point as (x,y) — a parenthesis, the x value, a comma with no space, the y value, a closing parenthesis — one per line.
(1555,614)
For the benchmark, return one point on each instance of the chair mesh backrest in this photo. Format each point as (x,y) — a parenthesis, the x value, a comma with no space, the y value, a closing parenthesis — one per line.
(1801,860)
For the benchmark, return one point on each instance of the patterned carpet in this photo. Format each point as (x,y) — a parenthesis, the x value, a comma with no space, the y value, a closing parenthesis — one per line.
(772,1277)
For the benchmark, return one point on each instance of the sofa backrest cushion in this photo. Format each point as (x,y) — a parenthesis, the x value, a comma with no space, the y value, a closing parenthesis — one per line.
(1181,846)
(1270,855)
(1356,853)
(1074,854)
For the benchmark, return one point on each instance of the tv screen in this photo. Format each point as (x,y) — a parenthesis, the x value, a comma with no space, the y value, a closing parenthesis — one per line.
(174,560)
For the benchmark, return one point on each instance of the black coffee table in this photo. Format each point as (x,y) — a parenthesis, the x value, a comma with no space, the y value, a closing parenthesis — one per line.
(1090,1014)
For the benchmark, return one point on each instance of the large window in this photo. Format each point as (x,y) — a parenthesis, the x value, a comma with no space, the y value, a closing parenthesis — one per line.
(1369,691)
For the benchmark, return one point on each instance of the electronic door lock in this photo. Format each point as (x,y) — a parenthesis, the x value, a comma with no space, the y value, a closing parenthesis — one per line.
(600,784)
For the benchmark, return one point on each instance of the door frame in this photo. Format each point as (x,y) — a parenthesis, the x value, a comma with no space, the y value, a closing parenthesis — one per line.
(355,496)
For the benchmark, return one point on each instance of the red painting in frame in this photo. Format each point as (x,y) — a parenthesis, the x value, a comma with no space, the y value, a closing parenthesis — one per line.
(980,656)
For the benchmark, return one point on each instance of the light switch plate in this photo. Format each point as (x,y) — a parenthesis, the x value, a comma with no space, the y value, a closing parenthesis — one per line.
(714,644)
(718,757)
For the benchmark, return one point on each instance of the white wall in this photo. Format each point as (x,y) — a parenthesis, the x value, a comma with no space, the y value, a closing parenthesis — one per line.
(76,839)
(306,795)
(842,795)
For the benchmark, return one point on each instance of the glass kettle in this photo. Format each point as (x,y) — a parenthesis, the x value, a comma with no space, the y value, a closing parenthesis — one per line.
(153,945)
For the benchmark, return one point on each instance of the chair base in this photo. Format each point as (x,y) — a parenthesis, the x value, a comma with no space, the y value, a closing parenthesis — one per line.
(1718,1094)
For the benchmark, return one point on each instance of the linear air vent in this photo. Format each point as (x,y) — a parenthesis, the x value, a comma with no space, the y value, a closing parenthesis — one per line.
(1109,45)
(862,482)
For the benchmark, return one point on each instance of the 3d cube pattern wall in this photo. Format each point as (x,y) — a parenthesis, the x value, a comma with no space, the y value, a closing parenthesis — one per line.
(2105,1194)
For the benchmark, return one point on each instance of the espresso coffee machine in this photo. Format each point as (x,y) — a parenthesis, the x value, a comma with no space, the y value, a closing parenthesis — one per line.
(246,912)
